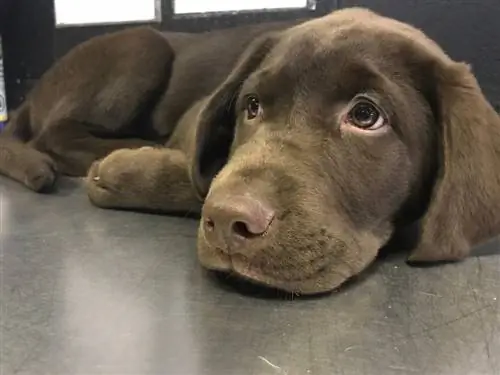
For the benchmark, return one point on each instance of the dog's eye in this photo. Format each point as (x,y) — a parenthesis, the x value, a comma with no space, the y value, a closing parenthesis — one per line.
(252,107)
(365,115)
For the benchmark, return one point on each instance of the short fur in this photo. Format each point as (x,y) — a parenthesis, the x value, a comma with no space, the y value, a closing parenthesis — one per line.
(340,194)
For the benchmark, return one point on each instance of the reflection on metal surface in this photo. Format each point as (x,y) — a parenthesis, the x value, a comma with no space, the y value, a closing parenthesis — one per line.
(91,12)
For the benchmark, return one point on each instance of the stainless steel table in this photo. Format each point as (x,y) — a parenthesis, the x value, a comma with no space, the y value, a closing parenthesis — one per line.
(90,291)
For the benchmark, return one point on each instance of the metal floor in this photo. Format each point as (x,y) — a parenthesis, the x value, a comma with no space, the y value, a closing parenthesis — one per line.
(86,291)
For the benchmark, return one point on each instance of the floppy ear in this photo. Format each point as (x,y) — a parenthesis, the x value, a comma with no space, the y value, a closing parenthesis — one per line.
(217,118)
(464,209)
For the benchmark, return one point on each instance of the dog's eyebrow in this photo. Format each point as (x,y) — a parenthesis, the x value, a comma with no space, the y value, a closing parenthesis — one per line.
(256,82)
(270,83)
(259,83)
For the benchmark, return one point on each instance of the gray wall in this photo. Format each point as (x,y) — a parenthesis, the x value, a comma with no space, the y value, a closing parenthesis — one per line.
(467,29)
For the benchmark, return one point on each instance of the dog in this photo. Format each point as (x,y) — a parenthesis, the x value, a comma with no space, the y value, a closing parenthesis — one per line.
(304,146)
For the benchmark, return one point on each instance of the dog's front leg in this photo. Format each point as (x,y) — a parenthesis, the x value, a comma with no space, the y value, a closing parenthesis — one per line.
(144,179)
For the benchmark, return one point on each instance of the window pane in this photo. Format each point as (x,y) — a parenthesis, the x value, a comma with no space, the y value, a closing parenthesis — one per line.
(200,6)
(80,12)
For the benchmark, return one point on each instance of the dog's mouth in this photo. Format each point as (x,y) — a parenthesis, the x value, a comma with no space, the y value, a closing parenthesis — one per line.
(322,279)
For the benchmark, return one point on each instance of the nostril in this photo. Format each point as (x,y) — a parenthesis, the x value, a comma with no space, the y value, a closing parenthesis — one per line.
(241,228)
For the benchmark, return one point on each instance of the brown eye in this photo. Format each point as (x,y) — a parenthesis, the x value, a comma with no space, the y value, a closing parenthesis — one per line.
(365,115)
(252,107)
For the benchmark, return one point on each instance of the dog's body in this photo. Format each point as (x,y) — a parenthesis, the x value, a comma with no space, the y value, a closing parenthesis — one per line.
(304,145)
(121,90)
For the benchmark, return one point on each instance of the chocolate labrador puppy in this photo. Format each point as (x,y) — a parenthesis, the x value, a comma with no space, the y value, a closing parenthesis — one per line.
(305,147)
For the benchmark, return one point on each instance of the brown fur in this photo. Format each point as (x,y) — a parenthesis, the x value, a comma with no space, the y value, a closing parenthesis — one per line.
(339,194)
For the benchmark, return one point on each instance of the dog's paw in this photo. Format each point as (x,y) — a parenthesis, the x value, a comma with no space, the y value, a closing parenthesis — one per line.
(112,181)
(40,172)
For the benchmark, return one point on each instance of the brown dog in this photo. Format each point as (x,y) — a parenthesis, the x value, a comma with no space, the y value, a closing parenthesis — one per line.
(310,144)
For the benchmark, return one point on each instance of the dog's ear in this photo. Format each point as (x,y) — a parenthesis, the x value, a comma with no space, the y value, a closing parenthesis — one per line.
(464,208)
(217,117)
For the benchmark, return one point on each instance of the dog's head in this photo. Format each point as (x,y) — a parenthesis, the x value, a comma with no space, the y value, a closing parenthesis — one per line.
(328,137)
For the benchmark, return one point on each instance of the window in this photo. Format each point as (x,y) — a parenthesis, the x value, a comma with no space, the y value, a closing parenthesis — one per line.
(84,12)
(207,6)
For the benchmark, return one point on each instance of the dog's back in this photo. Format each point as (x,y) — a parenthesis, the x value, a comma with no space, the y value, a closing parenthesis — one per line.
(125,89)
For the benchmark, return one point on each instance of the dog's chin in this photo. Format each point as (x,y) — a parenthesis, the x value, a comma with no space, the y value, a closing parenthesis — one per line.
(325,279)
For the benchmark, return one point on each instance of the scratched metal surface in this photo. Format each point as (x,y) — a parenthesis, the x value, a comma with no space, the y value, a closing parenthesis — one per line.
(88,291)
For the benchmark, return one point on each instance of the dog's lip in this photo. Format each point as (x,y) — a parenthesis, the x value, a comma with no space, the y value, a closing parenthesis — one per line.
(296,286)
(240,265)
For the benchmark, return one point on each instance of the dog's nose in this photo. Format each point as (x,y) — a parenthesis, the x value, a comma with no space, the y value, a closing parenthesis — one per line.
(234,219)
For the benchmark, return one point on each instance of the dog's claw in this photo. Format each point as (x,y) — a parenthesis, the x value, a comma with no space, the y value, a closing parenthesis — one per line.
(96,178)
